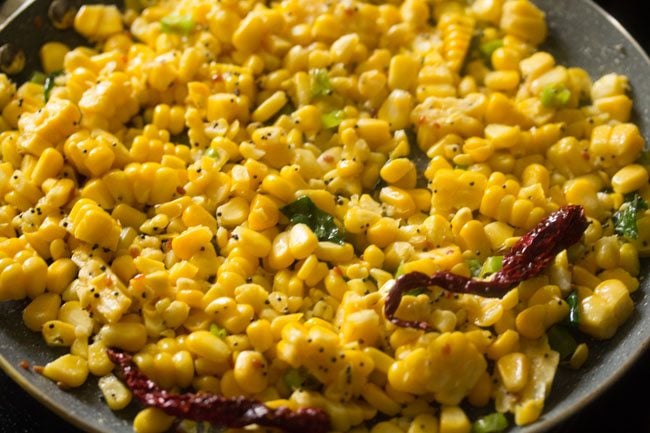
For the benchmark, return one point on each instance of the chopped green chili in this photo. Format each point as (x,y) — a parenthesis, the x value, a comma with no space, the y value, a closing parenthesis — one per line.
(320,83)
(555,96)
(574,303)
(218,331)
(332,119)
(487,48)
(49,83)
(179,24)
(492,265)
(474,266)
(38,77)
(492,423)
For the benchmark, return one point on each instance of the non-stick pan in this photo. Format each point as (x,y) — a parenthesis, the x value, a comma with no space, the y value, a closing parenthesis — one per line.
(581,34)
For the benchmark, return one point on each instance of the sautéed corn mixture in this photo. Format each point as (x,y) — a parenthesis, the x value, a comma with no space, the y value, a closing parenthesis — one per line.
(228,190)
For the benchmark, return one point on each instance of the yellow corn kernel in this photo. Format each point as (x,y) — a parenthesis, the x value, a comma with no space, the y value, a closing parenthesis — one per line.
(152,420)
(190,242)
(264,213)
(58,333)
(69,370)
(302,241)
(514,370)
(378,399)
(233,212)
(629,178)
(479,396)
(403,72)
(401,202)
(529,411)
(252,242)
(251,371)
(98,21)
(270,106)
(52,54)
(579,356)
(504,344)
(49,164)
(99,363)
(603,311)
(424,423)
(41,310)
(116,395)
(259,334)
(129,336)
(453,420)
(530,322)
(207,345)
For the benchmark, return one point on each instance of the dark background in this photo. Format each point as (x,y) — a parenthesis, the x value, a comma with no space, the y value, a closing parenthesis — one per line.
(623,409)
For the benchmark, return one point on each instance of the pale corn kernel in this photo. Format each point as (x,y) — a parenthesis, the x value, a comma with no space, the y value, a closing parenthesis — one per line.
(116,394)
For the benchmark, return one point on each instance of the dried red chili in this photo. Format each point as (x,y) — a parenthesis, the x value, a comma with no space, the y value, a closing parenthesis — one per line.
(227,412)
(527,258)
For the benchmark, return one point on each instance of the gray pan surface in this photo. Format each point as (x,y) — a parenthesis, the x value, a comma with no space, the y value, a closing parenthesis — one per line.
(581,34)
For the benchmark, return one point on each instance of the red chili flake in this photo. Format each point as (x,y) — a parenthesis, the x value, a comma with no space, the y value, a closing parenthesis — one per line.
(527,258)
(24,364)
(216,77)
(180,190)
(232,412)
(38,22)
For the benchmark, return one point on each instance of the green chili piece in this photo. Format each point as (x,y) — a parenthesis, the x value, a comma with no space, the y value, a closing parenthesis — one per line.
(474,266)
(489,47)
(492,423)
(555,96)
(218,331)
(38,77)
(492,265)
(332,119)
(320,83)
(179,24)
(574,303)
(49,83)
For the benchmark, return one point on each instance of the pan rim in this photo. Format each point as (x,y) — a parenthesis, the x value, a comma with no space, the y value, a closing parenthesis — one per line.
(560,413)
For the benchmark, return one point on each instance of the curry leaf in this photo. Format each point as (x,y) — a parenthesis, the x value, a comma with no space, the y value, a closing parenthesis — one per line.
(625,219)
(561,341)
(320,222)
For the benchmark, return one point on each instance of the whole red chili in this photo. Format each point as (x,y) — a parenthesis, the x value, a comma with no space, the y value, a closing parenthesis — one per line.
(228,412)
(527,258)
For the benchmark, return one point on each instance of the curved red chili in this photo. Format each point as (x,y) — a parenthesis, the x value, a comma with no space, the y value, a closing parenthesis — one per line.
(527,258)
(228,412)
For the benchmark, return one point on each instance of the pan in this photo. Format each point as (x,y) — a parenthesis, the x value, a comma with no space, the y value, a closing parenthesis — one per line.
(581,34)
